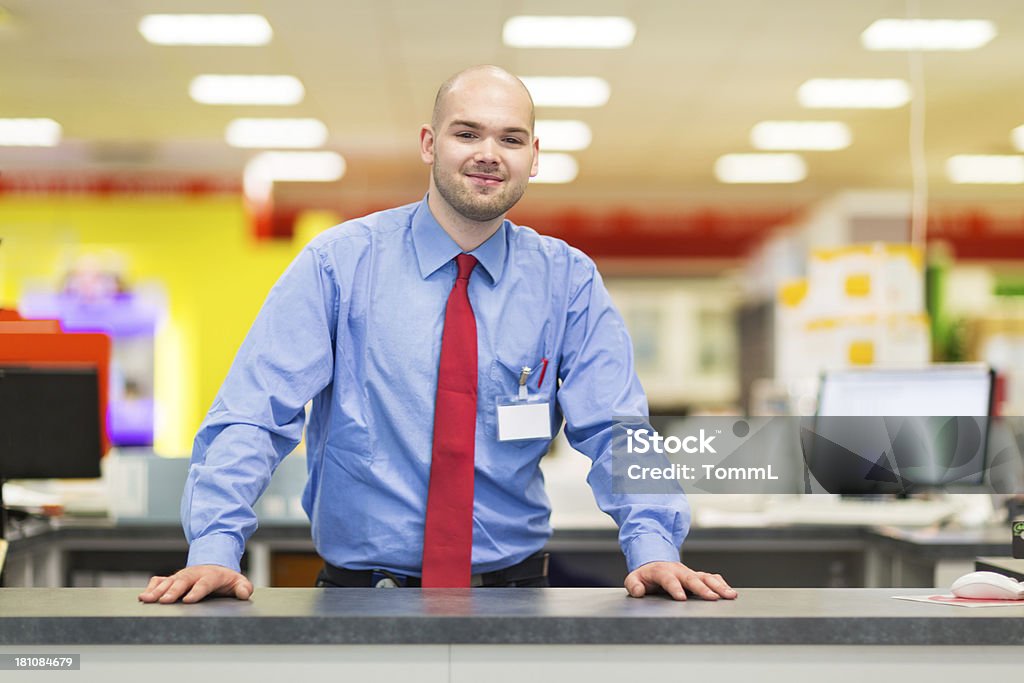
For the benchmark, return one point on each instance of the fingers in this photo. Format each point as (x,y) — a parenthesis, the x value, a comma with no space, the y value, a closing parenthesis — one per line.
(193,584)
(199,590)
(696,582)
(675,579)
(663,575)
(158,587)
(635,587)
(716,583)
(178,585)
(708,586)
(150,595)
(243,589)
(671,584)
(236,586)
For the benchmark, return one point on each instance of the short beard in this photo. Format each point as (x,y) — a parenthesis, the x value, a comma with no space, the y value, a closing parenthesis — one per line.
(476,207)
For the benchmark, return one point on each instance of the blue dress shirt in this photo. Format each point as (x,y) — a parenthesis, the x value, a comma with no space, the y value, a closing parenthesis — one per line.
(354,324)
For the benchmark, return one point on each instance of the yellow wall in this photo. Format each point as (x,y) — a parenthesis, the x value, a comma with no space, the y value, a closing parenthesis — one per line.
(214,273)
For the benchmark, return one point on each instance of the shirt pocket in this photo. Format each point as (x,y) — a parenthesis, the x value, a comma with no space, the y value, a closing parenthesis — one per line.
(504,377)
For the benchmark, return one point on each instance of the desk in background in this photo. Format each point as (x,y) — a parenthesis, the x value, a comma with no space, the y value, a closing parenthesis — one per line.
(1009,566)
(95,553)
(771,546)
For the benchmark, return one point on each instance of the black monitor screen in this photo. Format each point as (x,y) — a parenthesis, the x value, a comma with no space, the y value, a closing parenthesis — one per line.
(49,423)
(898,431)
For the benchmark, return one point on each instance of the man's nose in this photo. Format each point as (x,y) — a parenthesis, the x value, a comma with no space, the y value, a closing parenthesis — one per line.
(487,151)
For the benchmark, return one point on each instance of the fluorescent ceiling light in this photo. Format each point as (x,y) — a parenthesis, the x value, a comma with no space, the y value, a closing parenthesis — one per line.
(299,166)
(854,93)
(809,135)
(564,136)
(276,90)
(206,29)
(266,168)
(760,168)
(556,168)
(276,133)
(575,32)
(29,133)
(1002,169)
(1018,137)
(567,91)
(928,34)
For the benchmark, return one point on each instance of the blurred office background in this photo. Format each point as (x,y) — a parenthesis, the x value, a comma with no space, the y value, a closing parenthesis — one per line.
(771,188)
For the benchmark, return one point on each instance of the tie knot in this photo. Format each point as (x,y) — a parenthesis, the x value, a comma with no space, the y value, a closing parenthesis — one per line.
(465,262)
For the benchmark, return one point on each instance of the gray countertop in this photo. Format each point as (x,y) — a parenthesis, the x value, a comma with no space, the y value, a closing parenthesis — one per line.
(107,616)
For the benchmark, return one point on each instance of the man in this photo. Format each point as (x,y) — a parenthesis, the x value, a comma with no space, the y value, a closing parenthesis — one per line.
(411,330)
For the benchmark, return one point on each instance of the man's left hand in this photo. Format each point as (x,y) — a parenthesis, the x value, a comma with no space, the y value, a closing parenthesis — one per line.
(675,578)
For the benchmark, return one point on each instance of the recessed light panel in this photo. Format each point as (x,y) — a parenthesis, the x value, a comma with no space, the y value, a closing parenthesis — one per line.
(270,90)
(562,136)
(994,169)
(760,168)
(29,133)
(277,133)
(569,32)
(206,29)
(556,168)
(854,93)
(928,34)
(800,135)
(298,166)
(1018,137)
(567,91)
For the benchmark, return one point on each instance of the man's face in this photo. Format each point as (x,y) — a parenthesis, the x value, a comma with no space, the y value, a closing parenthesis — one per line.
(482,152)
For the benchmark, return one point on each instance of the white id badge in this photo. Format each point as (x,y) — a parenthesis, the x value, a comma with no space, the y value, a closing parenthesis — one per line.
(523,419)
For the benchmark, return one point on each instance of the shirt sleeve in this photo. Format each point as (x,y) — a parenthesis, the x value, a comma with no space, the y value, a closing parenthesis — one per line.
(599,383)
(258,415)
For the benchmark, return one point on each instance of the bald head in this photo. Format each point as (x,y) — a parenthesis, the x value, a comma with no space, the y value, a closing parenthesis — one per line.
(480,147)
(483,73)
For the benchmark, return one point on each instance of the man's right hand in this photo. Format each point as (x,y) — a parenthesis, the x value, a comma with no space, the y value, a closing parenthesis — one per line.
(192,584)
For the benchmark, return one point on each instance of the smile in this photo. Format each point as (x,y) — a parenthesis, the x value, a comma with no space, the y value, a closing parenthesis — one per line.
(484,179)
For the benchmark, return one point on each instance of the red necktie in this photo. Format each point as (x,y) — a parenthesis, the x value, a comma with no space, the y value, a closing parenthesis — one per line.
(448,533)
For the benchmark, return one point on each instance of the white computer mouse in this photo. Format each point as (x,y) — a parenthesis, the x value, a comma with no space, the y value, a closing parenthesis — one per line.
(988,586)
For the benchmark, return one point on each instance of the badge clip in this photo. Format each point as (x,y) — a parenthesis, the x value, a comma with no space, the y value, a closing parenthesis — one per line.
(523,375)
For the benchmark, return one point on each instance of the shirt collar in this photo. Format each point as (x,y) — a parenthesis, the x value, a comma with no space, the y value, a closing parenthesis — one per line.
(434,247)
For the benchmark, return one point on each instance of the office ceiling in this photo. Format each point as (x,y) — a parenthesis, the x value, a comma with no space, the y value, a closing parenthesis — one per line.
(697,78)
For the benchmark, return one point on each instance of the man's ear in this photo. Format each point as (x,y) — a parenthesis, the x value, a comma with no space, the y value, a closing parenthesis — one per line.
(427,143)
(536,157)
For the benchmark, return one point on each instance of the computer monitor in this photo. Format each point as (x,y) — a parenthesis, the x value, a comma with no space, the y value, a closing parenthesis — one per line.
(900,430)
(49,422)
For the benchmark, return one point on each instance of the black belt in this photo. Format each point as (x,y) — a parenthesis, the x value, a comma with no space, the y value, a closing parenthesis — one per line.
(533,567)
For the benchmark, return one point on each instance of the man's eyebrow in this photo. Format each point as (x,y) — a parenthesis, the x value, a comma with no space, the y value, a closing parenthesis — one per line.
(460,123)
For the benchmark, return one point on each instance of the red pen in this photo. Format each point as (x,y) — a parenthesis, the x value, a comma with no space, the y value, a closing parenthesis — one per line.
(543,369)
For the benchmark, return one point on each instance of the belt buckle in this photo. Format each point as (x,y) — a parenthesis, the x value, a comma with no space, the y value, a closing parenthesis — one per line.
(383,579)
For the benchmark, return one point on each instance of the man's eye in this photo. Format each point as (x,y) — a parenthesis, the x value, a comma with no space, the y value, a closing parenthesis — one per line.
(465,135)
(513,141)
